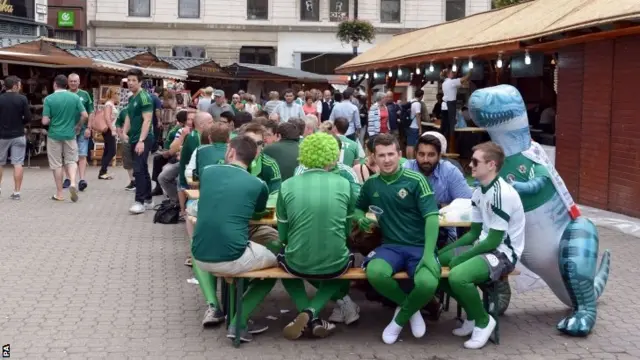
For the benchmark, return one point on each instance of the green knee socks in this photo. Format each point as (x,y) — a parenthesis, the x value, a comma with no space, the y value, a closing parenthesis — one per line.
(463,281)
(257,291)
(327,289)
(208,285)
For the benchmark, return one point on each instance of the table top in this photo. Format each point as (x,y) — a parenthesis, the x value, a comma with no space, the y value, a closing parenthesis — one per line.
(471,129)
(430,124)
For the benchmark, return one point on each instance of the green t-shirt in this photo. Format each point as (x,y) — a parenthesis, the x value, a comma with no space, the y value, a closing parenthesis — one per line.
(87,102)
(285,153)
(345,172)
(406,199)
(317,221)
(210,154)
(189,145)
(349,151)
(64,109)
(141,103)
(520,168)
(171,135)
(121,117)
(229,196)
(265,168)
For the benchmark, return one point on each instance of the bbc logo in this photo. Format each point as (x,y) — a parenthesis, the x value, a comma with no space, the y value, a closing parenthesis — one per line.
(6,351)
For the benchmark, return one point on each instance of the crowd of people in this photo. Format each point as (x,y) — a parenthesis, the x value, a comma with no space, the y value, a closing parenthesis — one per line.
(304,157)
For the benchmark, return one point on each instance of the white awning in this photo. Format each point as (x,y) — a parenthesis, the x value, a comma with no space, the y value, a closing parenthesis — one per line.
(151,72)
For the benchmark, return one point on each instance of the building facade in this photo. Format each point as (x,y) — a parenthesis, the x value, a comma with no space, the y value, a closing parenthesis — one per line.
(67,20)
(290,33)
(23,18)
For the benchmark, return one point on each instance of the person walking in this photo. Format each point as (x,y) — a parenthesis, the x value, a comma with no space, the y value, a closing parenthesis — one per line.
(84,133)
(65,114)
(108,136)
(14,115)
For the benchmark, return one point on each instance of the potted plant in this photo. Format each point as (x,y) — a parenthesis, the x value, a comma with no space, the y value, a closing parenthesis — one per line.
(355,31)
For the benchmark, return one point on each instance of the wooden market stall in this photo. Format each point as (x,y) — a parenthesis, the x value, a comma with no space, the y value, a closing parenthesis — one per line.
(594,48)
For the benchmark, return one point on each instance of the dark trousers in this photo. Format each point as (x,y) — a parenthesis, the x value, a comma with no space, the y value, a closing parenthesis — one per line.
(352,136)
(141,171)
(448,124)
(158,163)
(109,150)
(157,136)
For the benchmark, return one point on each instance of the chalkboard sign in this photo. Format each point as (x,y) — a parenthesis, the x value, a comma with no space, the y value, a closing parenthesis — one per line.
(477,71)
(520,69)
(432,75)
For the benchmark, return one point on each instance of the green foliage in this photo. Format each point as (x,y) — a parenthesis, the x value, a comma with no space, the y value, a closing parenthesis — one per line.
(502,3)
(360,30)
(318,151)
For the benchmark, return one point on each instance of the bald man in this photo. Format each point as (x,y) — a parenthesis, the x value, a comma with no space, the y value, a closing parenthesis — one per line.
(394,113)
(83,136)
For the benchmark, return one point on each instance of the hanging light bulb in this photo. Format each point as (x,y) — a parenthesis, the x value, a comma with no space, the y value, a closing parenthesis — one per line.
(375,74)
(354,77)
(399,72)
(527,58)
(390,73)
(470,64)
(499,62)
(454,68)
(418,69)
(366,76)
(431,67)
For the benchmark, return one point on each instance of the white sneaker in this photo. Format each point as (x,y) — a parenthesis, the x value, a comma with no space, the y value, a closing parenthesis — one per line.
(465,329)
(392,331)
(337,316)
(418,327)
(479,337)
(137,208)
(346,312)
(148,205)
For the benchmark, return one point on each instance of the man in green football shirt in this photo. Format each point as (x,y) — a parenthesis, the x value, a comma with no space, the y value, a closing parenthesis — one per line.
(229,198)
(349,151)
(65,114)
(137,127)
(409,225)
(84,134)
(313,226)
(285,150)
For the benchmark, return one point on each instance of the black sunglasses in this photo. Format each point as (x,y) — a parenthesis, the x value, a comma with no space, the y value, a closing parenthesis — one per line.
(475,161)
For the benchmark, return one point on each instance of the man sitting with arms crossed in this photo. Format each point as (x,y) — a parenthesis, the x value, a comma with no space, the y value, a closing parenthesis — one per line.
(409,227)
(229,198)
(314,226)
(497,232)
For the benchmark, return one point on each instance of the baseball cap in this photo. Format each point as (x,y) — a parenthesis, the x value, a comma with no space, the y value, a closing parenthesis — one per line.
(440,137)
(218,93)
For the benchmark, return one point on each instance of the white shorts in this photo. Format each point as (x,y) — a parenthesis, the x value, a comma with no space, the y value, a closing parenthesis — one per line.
(255,257)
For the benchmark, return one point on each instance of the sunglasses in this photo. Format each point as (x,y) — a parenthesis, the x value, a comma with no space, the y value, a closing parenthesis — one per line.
(475,162)
(260,143)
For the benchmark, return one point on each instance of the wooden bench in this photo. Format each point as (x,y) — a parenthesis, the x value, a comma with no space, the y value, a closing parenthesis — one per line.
(232,298)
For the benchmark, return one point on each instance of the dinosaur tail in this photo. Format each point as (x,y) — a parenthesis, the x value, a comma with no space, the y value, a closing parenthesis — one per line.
(602,275)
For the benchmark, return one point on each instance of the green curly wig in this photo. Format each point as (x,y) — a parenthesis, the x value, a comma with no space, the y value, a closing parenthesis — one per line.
(318,151)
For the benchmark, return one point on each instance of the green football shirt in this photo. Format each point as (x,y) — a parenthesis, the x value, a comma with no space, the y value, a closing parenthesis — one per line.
(406,199)
(189,145)
(87,102)
(267,169)
(345,172)
(121,117)
(139,104)
(171,135)
(229,196)
(64,109)
(285,153)
(210,154)
(317,221)
(520,168)
(349,151)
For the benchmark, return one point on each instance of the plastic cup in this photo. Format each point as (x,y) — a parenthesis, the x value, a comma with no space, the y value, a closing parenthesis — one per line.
(376,211)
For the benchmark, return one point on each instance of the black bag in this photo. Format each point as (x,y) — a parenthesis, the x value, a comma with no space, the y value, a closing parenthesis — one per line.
(167,213)
(405,115)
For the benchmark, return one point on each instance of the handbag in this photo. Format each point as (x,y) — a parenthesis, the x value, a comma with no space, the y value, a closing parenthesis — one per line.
(100,123)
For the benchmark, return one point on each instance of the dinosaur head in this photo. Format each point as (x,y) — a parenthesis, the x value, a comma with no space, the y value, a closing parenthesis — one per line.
(501,110)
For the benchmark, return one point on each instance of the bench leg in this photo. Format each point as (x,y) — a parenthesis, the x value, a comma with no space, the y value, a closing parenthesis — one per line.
(447,300)
(224,293)
(231,295)
(239,295)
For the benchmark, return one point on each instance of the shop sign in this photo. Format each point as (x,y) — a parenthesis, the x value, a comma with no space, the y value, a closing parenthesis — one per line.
(66,18)
(6,7)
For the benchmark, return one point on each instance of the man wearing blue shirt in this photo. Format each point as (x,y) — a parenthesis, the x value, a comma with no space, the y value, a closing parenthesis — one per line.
(347,110)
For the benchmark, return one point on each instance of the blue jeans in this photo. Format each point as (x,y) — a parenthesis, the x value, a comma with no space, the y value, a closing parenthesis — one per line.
(141,171)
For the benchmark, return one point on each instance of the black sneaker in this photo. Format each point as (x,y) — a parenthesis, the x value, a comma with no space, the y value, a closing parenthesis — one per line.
(213,316)
(255,329)
(157,191)
(131,187)
(15,196)
(82,185)
(245,336)
(66,183)
(321,328)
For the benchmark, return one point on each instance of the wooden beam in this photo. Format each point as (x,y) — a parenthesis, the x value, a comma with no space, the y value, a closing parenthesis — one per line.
(552,45)
(624,24)
(412,61)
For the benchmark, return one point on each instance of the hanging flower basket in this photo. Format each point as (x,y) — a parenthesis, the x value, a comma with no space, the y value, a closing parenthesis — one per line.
(355,31)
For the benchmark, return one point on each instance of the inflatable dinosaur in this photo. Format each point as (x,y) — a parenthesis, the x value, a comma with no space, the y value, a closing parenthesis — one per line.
(561,246)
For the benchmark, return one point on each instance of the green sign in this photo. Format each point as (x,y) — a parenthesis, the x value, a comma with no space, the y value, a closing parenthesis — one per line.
(66,18)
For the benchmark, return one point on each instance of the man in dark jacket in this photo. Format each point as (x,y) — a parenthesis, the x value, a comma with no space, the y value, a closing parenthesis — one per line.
(394,113)
(14,116)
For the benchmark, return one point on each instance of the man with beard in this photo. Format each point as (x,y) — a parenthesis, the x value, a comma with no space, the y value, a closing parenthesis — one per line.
(448,184)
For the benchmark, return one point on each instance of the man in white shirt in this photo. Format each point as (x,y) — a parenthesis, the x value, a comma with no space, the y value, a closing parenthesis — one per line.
(415,129)
(497,235)
(289,108)
(347,110)
(450,87)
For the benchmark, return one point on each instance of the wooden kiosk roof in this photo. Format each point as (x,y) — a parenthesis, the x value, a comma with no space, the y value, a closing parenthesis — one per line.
(41,52)
(527,25)
(198,67)
(273,73)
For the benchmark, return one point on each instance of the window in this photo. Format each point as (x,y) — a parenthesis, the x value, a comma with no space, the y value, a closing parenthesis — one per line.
(189,9)
(390,11)
(322,63)
(338,10)
(257,55)
(310,10)
(455,10)
(257,9)
(189,51)
(140,8)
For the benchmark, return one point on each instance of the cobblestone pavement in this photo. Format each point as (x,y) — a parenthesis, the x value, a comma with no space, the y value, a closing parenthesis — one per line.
(88,280)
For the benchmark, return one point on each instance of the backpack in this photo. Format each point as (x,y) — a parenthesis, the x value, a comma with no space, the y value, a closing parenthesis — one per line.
(167,213)
(405,114)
